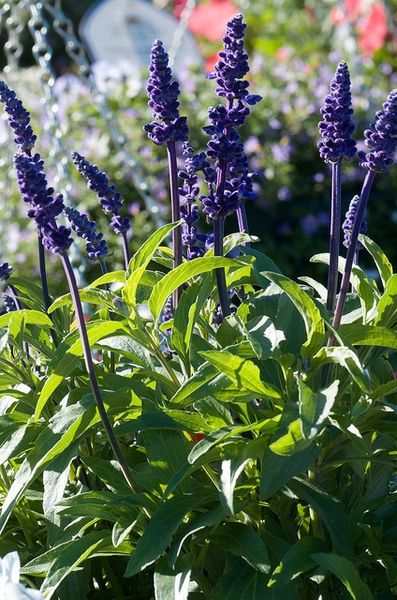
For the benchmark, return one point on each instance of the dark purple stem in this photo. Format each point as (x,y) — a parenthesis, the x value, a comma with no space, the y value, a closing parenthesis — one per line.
(220,273)
(368,181)
(43,272)
(175,213)
(334,234)
(126,249)
(91,371)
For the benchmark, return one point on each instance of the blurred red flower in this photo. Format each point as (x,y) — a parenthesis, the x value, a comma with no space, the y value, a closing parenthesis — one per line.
(373,30)
(209,20)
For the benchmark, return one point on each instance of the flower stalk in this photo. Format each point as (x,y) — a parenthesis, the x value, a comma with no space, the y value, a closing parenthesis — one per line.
(175,213)
(91,371)
(334,239)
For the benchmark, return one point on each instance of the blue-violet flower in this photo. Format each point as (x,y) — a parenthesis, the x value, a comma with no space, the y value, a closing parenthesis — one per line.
(109,198)
(18,118)
(45,207)
(382,137)
(337,125)
(85,228)
(163,94)
(348,223)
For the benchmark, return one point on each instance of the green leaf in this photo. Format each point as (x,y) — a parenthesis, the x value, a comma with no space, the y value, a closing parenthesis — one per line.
(241,540)
(243,373)
(366,287)
(70,558)
(140,261)
(296,561)
(63,366)
(197,523)
(187,314)
(180,275)
(314,323)
(89,296)
(369,335)
(204,382)
(315,407)
(62,430)
(144,255)
(382,263)
(264,337)
(265,426)
(29,317)
(346,572)
(112,277)
(241,581)
(291,442)
(170,584)
(160,530)
(230,472)
(387,305)
(277,470)
(348,359)
(329,509)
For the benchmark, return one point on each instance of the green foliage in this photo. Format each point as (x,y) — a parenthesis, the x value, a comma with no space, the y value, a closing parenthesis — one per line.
(264,460)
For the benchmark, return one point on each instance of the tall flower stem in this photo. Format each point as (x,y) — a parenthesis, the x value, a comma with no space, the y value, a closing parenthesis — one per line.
(91,371)
(367,185)
(175,213)
(334,237)
(219,225)
(126,249)
(43,272)
(219,233)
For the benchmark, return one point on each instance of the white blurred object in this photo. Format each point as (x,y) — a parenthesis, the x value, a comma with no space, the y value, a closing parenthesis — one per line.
(10,588)
(126,29)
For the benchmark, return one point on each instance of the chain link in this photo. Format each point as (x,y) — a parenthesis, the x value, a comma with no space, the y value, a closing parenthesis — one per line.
(64,27)
(42,52)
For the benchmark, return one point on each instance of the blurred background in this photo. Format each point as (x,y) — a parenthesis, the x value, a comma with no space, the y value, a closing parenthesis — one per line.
(81,69)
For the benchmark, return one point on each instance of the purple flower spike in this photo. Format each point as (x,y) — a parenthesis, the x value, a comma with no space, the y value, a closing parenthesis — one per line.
(348,223)
(85,228)
(5,271)
(18,118)
(382,137)
(163,94)
(109,198)
(44,206)
(232,67)
(337,125)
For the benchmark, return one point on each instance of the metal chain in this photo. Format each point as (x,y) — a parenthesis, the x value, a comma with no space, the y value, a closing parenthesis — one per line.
(64,27)
(14,25)
(13,50)
(181,30)
(42,52)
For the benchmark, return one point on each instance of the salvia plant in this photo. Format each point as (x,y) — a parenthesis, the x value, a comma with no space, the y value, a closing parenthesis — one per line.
(206,427)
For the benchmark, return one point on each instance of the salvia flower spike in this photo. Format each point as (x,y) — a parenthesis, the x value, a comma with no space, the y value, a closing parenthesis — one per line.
(381,137)
(229,74)
(336,144)
(18,118)
(109,198)
(45,207)
(348,223)
(85,228)
(163,92)
(337,126)
(19,122)
(167,128)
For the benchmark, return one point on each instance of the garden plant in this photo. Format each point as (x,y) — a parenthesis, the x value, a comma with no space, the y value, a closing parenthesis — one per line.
(197,424)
